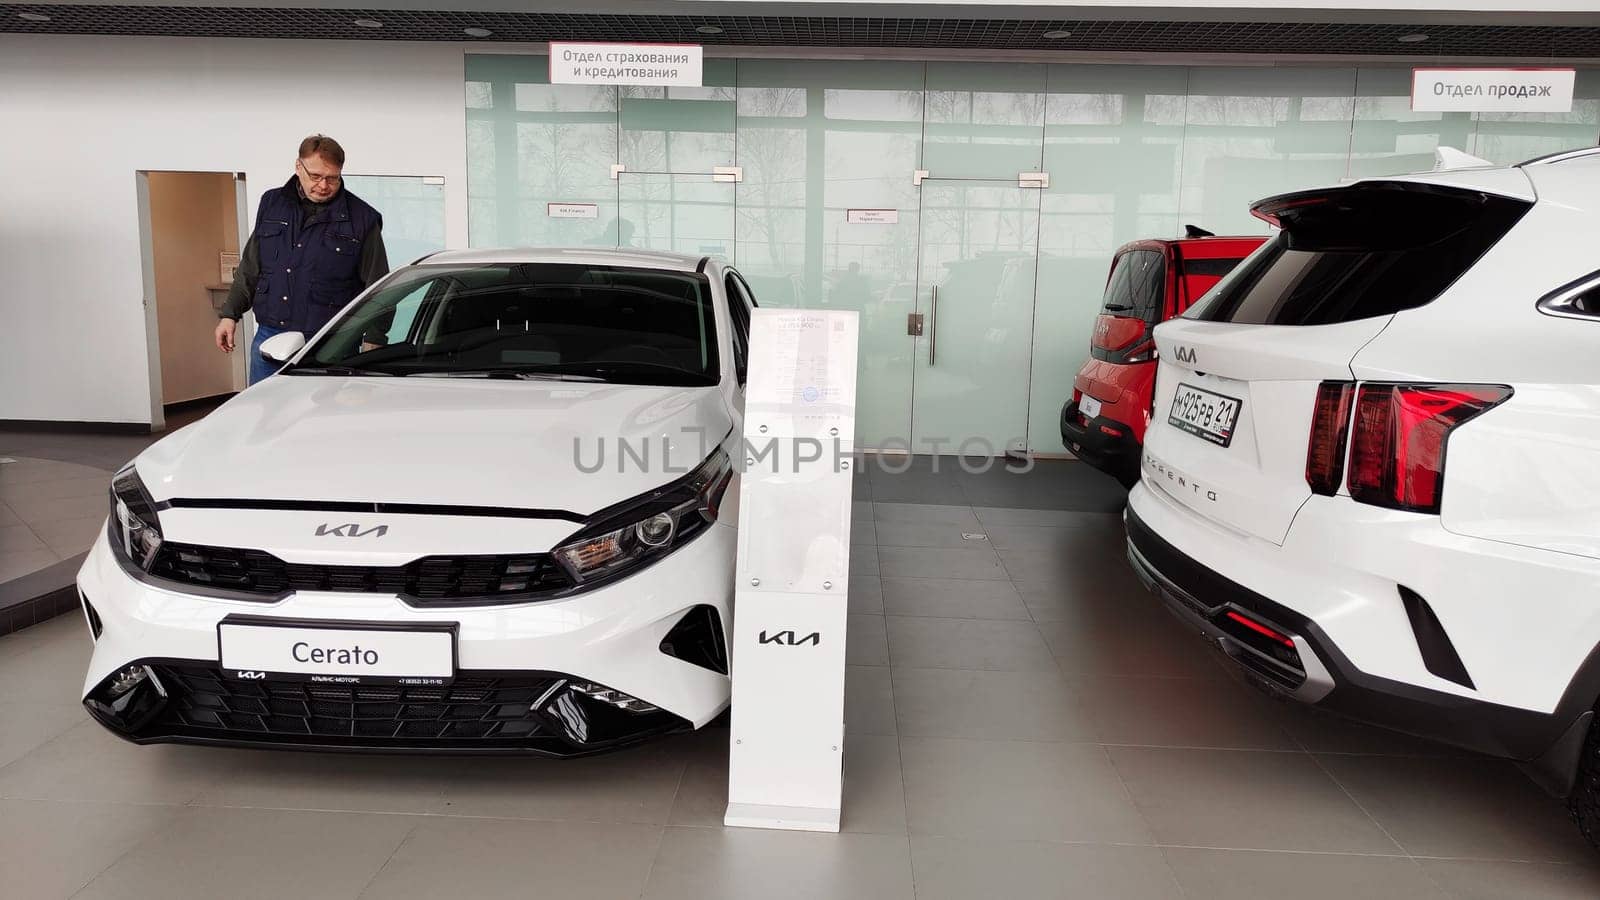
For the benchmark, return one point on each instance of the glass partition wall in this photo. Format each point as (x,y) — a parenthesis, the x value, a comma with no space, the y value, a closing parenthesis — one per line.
(910,192)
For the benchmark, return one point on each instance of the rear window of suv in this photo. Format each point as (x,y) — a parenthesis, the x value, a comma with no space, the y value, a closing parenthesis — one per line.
(1358,252)
(1137,286)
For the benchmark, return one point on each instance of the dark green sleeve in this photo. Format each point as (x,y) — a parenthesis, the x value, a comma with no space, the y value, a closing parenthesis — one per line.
(242,294)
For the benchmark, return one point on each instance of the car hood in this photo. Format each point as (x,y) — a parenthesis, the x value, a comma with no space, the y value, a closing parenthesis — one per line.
(460,442)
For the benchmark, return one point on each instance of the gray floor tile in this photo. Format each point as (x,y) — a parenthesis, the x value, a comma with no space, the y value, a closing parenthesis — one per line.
(1016,790)
(631,786)
(953,598)
(50,850)
(483,859)
(52,670)
(250,853)
(7,517)
(1135,646)
(26,562)
(1496,880)
(1230,874)
(1092,591)
(869,706)
(921,643)
(861,511)
(925,534)
(928,562)
(94,485)
(951,869)
(1011,706)
(1324,732)
(1182,712)
(866,595)
(1055,538)
(71,536)
(1067,565)
(911,488)
(740,863)
(1005,516)
(26,724)
(89,763)
(19,539)
(1245,800)
(959,515)
(28,470)
(340,782)
(863,534)
(1461,808)
(863,560)
(866,641)
(36,510)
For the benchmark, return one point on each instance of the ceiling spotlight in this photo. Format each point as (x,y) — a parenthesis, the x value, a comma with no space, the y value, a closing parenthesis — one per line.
(1056,35)
(709,29)
(368,23)
(1411,38)
(34,17)
(476,32)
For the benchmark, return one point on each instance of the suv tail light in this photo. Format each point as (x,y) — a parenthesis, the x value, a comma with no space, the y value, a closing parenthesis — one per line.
(1144,352)
(1397,451)
(1330,427)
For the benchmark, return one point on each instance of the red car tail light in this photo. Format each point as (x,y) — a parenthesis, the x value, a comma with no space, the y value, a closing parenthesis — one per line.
(1330,428)
(1397,451)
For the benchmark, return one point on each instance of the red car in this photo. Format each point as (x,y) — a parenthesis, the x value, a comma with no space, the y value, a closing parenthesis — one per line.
(1150,281)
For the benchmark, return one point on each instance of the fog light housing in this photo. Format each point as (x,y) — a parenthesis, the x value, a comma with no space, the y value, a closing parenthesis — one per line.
(127,699)
(610,697)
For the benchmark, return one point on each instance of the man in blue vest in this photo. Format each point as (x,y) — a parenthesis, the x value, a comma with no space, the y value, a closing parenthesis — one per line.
(314,248)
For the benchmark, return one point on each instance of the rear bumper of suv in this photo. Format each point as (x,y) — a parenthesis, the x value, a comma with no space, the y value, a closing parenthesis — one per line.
(1546,744)
(1106,444)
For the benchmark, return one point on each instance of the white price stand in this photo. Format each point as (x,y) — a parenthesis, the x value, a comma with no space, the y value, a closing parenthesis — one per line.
(791,602)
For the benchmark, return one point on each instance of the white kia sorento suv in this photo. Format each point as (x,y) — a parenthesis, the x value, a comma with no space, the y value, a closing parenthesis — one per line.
(1372,475)
(483,510)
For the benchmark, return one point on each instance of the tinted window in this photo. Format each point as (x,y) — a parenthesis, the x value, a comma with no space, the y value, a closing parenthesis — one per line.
(637,326)
(739,310)
(1359,252)
(1137,288)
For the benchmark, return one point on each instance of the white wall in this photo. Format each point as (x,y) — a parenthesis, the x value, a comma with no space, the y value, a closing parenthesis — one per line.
(82,115)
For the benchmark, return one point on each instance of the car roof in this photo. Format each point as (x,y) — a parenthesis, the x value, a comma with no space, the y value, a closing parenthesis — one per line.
(582,256)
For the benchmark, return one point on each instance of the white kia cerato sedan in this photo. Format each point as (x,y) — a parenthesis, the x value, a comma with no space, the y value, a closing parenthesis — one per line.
(483,510)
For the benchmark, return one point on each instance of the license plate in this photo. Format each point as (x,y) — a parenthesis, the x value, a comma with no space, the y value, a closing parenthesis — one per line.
(1089,406)
(336,653)
(1204,414)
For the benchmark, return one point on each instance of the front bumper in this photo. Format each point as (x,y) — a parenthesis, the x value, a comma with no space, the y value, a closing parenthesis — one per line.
(1545,743)
(1105,444)
(518,672)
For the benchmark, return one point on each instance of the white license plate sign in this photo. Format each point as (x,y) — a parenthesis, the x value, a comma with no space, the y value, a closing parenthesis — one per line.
(1206,415)
(1089,406)
(336,655)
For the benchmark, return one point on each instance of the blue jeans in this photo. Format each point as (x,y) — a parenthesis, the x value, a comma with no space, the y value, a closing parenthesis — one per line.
(261,368)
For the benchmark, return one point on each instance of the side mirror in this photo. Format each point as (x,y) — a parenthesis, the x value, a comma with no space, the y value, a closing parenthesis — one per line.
(279,347)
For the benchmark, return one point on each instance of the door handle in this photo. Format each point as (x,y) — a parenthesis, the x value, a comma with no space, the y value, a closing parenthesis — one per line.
(933,326)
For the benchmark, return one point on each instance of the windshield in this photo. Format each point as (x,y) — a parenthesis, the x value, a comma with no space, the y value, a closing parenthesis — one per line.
(528,320)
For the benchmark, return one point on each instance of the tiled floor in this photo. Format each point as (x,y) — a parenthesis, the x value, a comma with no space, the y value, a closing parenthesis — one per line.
(1023,721)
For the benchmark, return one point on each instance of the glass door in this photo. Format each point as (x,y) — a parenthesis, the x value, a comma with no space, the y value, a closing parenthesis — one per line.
(978,252)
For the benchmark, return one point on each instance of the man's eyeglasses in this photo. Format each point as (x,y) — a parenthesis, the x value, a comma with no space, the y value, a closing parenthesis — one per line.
(329,180)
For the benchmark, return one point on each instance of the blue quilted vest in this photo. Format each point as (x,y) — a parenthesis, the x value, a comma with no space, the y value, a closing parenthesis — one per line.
(310,269)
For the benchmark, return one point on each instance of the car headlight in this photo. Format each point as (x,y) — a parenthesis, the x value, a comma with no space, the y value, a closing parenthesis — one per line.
(135,529)
(640,531)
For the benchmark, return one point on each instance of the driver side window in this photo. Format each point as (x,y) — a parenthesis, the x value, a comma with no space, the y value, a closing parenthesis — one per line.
(739,304)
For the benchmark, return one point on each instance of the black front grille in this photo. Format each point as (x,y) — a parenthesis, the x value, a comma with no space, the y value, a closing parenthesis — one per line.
(432,580)
(468,709)
(524,712)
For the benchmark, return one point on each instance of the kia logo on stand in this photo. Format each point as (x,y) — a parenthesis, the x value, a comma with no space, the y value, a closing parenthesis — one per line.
(788,638)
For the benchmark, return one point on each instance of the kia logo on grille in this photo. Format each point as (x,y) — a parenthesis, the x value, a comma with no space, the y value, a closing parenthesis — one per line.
(351,529)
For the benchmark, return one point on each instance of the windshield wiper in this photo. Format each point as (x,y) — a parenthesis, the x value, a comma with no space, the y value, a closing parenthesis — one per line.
(513,373)
(335,370)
